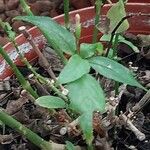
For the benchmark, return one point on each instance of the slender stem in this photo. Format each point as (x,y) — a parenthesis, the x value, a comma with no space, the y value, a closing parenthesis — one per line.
(38,76)
(45,62)
(114,31)
(77,32)
(31,136)
(25,84)
(115,45)
(66,13)
(26,8)
(98,5)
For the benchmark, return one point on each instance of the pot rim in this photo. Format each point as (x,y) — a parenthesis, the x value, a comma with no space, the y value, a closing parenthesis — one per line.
(79,10)
(7,72)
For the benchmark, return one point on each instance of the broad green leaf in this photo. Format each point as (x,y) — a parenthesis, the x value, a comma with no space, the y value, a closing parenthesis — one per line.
(86,95)
(88,50)
(115,15)
(57,36)
(121,39)
(75,68)
(50,102)
(86,123)
(69,146)
(113,70)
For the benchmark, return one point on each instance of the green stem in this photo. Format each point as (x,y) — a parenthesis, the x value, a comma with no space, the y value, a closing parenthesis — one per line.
(90,147)
(25,84)
(26,8)
(66,13)
(115,56)
(115,45)
(38,76)
(31,136)
(98,5)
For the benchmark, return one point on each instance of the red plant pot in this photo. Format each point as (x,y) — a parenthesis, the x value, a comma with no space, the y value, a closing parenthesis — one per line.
(138,25)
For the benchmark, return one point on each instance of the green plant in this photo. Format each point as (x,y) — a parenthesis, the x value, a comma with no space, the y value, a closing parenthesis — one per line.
(76,73)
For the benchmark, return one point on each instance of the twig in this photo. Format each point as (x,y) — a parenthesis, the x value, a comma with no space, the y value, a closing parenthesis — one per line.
(69,127)
(45,62)
(140,136)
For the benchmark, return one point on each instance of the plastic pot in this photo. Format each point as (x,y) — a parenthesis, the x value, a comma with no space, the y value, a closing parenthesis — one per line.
(138,25)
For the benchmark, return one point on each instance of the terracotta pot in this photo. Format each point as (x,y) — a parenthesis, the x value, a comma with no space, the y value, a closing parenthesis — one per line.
(138,24)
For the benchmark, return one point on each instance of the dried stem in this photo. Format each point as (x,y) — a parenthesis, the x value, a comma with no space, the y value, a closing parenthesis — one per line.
(140,136)
(69,127)
(45,62)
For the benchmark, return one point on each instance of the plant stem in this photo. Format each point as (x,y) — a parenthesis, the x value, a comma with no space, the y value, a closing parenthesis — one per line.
(25,84)
(38,76)
(77,32)
(31,136)
(45,62)
(26,8)
(115,45)
(114,31)
(98,4)
(66,13)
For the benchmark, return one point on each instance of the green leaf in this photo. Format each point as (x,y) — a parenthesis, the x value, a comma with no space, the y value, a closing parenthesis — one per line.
(86,95)
(135,49)
(113,70)
(50,102)
(121,39)
(57,36)
(69,146)
(88,50)
(107,37)
(115,15)
(86,123)
(75,68)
